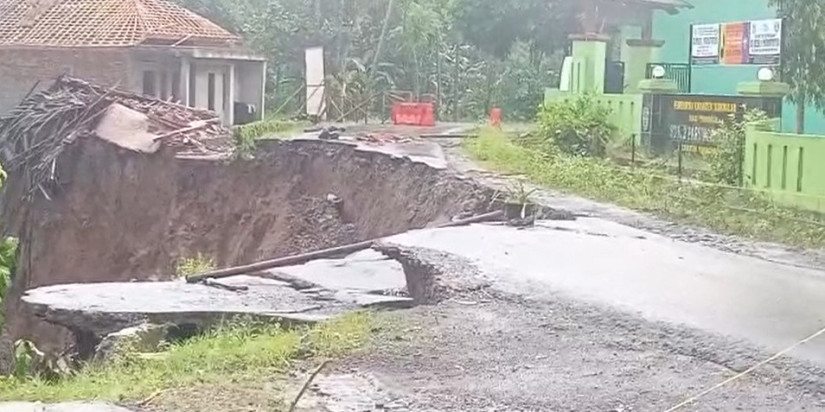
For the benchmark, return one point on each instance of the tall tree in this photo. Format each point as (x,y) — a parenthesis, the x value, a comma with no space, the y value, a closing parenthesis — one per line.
(803,55)
(494,26)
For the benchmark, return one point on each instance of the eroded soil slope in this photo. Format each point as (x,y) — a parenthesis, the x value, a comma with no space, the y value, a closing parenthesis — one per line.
(122,216)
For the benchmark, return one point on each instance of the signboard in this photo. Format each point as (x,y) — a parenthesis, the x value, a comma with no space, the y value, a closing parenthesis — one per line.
(765,45)
(704,44)
(672,119)
(739,43)
(734,44)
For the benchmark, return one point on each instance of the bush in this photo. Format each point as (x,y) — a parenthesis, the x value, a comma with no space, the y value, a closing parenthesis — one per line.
(726,161)
(246,135)
(195,265)
(578,126)
(8,262)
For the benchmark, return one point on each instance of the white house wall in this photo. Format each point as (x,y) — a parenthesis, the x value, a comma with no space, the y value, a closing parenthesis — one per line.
(202,71)
(249,84)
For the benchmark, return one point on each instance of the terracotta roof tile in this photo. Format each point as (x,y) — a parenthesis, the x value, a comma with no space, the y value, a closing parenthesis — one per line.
(77,23)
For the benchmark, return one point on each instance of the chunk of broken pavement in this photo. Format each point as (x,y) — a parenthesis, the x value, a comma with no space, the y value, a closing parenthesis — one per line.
(145,338)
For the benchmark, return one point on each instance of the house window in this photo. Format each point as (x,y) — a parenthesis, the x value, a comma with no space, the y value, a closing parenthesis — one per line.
(150,87)
(211,91)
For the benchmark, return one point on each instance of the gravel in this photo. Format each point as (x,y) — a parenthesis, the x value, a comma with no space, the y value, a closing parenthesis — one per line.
(483,350)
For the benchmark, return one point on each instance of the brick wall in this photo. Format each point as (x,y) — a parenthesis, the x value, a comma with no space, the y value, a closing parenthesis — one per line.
(21,68)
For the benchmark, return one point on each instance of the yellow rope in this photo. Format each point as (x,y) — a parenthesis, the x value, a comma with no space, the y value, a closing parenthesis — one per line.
(740,375)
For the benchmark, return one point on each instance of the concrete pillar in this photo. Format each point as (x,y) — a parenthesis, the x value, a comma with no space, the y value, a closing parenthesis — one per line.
(640,52)
(261,108)
(185,68)
(763,89)
(229,98)
(658,86)
(589,54)
(771,94)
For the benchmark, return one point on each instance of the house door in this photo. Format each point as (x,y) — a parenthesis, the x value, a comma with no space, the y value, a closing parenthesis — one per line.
(211,89)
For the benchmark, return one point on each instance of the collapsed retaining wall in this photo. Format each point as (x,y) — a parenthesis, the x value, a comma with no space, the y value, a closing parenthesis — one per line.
(121,216)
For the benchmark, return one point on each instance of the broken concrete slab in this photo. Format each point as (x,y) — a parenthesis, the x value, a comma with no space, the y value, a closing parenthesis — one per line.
(145,338)
(61,407)
(103,308)
(366,271)
(127,128)
(96,310)
(429,153)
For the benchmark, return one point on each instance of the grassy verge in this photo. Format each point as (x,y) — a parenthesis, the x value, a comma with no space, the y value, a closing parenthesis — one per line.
(241,361)
(722,209)
(246,135)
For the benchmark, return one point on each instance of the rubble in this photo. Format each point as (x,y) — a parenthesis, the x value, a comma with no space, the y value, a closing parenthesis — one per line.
(144,338)
(37,131)
(381,138)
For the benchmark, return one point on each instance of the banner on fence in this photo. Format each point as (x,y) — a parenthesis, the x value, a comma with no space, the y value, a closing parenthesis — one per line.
(756,42)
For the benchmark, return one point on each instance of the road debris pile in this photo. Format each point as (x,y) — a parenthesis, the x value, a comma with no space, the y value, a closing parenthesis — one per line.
(382,138)
(33,135)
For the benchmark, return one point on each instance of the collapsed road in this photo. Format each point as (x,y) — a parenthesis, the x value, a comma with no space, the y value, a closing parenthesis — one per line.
(570,315)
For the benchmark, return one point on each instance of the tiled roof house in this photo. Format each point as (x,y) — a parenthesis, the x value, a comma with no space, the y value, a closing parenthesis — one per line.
(146,46)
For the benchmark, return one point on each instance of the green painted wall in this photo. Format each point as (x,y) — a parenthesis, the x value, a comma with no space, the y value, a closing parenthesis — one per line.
(625,110)
(675,31)
(788,167)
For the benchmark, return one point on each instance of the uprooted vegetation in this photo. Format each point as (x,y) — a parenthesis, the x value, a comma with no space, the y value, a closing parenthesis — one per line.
(242,354)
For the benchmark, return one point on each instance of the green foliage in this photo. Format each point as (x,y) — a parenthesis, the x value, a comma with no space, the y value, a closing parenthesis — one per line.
(579,126)
(470,55)
(727,159)
(516,193)
(8,262)
(30,362)
(246,135)
(727,210)
(195,265)
(236,353)
(494,26)
(804,41)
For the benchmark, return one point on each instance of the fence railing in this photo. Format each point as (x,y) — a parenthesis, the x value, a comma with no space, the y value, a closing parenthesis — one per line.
(678,72)
(788,167)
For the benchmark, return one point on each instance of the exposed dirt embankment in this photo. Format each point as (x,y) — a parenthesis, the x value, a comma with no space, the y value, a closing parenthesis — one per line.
(122,216)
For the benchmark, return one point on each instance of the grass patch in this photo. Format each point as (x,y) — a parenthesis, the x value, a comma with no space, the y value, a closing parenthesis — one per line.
(723,209)
(242,355)
(195,265)
(246,135)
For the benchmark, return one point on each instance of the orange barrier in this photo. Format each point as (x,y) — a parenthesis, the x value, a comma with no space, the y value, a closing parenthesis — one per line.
(495,118)
(413,114)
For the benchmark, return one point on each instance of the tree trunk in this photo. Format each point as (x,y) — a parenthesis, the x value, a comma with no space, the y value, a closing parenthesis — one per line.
(800,117)
(456,80)
(438,79)
(417,80)
(378,48)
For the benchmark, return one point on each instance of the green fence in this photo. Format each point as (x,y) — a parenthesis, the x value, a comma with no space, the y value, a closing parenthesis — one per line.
(678,72)
(788,167)
(625,109)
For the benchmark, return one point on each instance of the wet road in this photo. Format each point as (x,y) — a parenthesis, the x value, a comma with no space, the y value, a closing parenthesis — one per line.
(769,304)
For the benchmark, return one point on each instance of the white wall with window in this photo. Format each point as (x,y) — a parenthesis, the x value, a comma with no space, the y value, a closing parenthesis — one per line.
(232,88)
